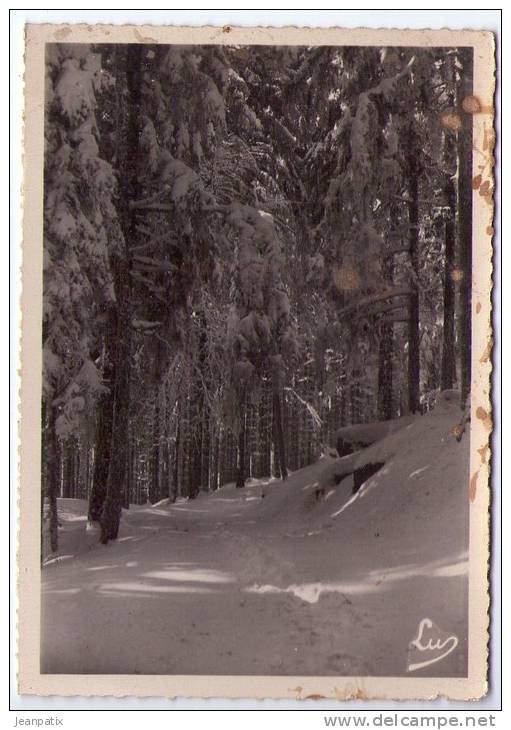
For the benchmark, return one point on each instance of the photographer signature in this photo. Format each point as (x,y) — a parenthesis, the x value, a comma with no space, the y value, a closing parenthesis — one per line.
(429,646)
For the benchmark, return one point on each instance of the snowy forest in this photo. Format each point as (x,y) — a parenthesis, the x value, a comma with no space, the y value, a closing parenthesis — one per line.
(254,258)
(245,249)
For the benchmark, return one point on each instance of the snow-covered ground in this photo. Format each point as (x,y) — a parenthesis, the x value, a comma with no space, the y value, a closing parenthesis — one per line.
(274,579)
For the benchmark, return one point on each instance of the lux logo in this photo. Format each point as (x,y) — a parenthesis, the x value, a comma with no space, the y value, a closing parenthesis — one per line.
(429,646)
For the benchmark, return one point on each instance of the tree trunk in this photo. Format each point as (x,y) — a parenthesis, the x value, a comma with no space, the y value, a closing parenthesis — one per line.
(129,191)
(104,427)
(265,421)
(77,464)
(413,324)
(240,479)
(355,397)
(53,478)
(206,443)
(385,356)
(87,468)
(465,226)
(67,459)
(222,457)
(213,475)
(117,476)
(195,451)
(385,379)
(154,493)
(182,451)
(280,447)
(129,492)
(448,372)
(175,471)
(233,458)
(155,485)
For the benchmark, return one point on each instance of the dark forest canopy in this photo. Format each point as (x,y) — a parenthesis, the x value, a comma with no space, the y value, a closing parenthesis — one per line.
(245,249)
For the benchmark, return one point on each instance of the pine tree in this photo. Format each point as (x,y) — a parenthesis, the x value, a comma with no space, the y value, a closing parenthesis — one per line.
(80,232)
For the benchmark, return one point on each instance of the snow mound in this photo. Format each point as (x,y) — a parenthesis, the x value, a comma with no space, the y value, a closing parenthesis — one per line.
(368,433)
(424,482)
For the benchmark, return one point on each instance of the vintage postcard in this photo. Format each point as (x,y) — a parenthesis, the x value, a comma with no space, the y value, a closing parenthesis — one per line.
(256,357)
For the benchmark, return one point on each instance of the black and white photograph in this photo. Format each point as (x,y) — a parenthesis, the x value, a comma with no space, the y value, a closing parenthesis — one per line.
(257,399)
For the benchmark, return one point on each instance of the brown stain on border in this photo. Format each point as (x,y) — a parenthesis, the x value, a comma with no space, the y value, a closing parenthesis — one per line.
(486,352)
(473,105)
(476,181)
(483,415)
(472,490)
(62,33)
(143,38)
(485,188)
(359,694)
(483,451)
(488,140)
(315,697)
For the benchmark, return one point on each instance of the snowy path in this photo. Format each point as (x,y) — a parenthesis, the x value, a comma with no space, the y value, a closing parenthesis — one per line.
(271,580)
(159,603)
(184,593)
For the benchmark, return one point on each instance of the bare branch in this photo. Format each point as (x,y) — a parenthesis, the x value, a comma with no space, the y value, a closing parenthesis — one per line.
(395,320)
(148,205)
(367,301)
(156,264)
(388,308)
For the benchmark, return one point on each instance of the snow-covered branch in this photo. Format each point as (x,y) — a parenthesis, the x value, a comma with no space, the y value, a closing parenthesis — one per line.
(316,420)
